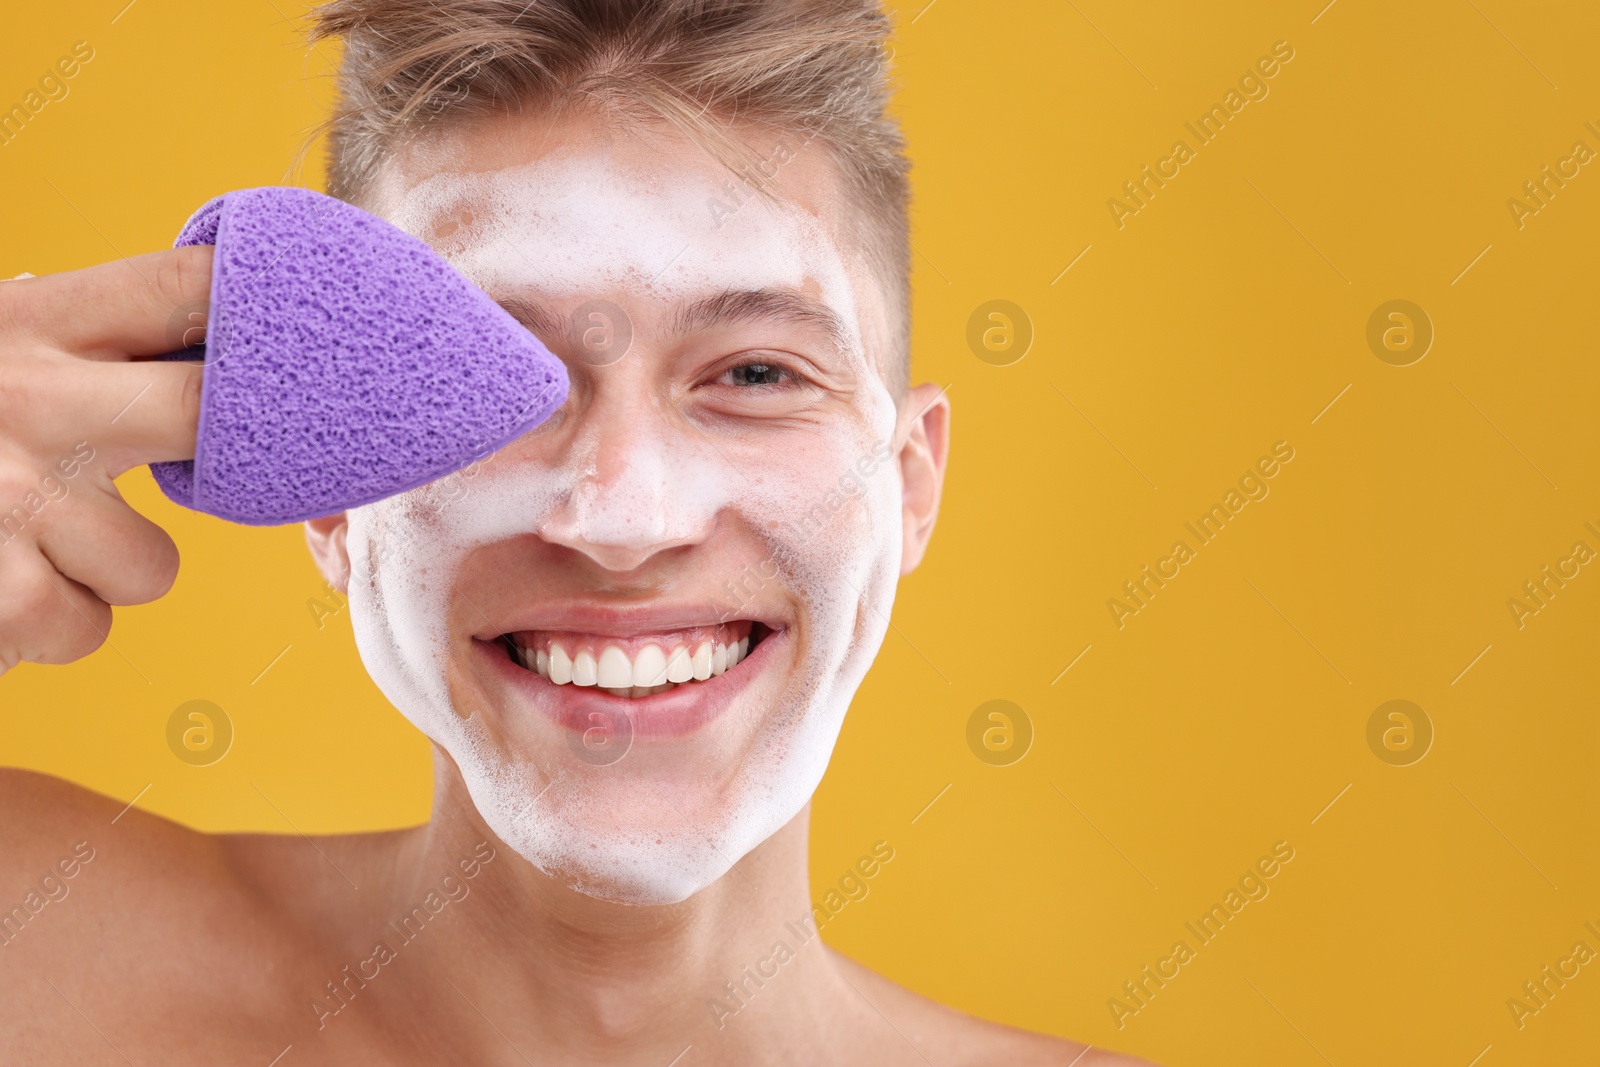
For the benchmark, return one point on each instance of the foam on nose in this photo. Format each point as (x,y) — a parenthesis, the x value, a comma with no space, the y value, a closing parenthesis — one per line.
(641,493)
(346,362)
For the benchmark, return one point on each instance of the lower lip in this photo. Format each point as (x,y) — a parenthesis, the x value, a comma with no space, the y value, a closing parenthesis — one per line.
(674,713)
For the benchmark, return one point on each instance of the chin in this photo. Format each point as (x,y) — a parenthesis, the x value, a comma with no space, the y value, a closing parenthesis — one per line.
(663,845)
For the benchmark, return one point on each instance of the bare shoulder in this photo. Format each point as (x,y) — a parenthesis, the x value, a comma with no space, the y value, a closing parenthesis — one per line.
(71,849)
(968,1041)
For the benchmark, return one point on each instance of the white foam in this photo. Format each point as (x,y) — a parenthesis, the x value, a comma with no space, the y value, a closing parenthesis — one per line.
(641,830)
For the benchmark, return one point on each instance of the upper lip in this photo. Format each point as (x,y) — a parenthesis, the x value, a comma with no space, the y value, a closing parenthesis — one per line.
(621,619)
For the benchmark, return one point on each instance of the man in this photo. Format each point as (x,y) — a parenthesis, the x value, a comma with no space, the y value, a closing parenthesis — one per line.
(632,636)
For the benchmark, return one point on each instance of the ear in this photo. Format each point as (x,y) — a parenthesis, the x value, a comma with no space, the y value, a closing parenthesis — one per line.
(925,432)
(326,538)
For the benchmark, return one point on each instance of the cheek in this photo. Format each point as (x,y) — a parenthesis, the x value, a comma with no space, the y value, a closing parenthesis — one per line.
(400,575)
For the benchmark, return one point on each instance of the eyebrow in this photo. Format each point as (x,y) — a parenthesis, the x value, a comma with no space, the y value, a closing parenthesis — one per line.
(729,306)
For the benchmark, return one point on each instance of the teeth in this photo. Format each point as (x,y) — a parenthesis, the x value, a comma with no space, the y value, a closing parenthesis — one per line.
(560,665)
(652,670)
(649,667)
(584,671)
(680,668)
(615,670)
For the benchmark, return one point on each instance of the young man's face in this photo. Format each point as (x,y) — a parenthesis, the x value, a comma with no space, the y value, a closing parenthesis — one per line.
(709,532)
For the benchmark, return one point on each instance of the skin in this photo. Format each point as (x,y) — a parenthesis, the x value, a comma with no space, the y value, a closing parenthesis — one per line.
(178,947)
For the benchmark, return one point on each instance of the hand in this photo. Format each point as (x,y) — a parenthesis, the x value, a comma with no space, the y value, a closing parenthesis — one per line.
(81,402)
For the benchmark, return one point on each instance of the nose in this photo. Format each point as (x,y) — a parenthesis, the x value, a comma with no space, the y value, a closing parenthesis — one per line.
(643,484)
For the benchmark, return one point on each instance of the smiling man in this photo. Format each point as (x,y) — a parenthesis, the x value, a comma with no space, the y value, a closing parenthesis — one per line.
(632,635)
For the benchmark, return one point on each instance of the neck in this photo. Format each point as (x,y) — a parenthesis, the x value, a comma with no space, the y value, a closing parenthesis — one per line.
(555,969)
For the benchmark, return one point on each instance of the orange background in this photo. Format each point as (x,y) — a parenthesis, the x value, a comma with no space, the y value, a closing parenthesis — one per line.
(1222,317)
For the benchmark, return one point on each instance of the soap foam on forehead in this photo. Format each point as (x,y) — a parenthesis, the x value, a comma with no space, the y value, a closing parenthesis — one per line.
(534,228)
(575,223)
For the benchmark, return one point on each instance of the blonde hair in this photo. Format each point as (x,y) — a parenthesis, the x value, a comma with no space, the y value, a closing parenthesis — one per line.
(818,68)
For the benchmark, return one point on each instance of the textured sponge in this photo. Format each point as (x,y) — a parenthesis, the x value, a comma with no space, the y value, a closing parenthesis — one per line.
(345,362)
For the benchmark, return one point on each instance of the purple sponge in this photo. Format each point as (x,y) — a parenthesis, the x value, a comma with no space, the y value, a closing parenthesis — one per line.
(345,362)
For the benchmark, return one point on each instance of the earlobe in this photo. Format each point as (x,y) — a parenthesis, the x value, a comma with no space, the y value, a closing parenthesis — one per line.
(326,537)
(925,429)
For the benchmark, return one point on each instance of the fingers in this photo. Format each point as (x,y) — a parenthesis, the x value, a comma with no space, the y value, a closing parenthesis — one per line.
(141,306)
(135,413)
(44,617)
(95,539)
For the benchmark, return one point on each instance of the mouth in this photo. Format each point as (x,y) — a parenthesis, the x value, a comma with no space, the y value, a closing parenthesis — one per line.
(638,666)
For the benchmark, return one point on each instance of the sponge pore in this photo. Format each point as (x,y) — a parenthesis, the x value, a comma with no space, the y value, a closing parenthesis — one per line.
(345,362)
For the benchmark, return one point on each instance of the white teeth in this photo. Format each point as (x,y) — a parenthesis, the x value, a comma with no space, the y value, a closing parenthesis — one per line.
(584,670)
(615,671)
(651,671)
(680,668)
(560,665)
(649,667)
